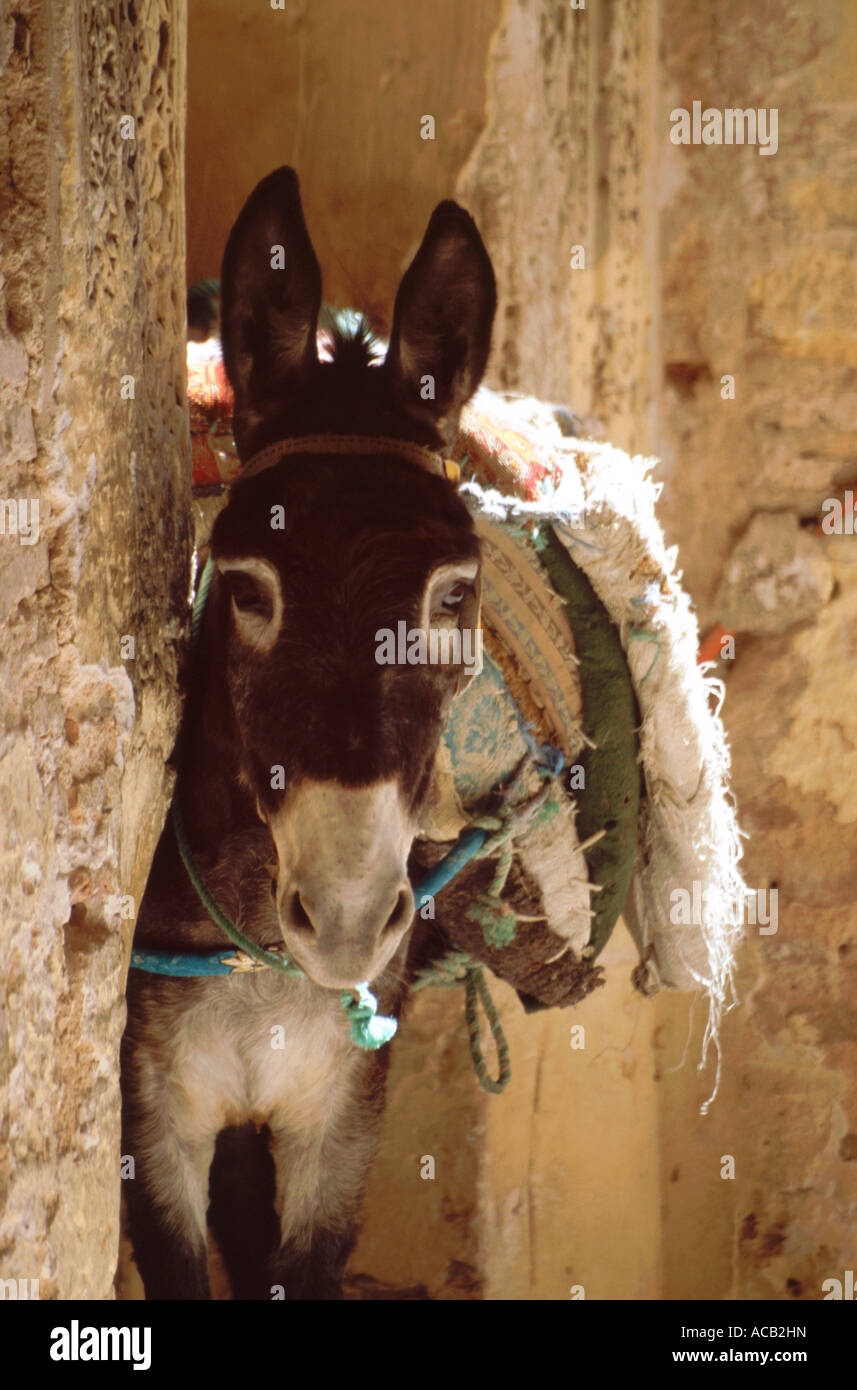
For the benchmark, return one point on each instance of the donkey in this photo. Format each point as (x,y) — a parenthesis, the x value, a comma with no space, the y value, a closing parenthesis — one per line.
(303,763)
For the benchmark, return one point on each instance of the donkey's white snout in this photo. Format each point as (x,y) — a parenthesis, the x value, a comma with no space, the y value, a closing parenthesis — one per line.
(339,946)
(343,896)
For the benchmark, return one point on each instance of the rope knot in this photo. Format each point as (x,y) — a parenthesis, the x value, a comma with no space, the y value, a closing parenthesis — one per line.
(369,1029)
(490,913)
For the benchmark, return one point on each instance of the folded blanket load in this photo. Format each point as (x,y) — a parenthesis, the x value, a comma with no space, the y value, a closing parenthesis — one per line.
(590,710)
(588,630)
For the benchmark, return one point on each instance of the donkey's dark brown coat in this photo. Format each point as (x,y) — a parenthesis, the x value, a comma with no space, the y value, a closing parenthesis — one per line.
(246,1091)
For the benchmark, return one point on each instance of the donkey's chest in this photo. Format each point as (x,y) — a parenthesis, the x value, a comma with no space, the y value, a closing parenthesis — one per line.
(255,1048)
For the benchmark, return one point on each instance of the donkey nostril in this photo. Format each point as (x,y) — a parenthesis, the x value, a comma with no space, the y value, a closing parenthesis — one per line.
(299,914)
(401,912)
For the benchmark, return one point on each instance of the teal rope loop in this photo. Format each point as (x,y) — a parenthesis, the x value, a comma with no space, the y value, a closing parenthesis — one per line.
(458,968)
(215,911)
(477,992)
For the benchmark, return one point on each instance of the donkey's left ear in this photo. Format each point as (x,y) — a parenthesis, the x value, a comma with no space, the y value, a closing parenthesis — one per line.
(442,321)
(269,301)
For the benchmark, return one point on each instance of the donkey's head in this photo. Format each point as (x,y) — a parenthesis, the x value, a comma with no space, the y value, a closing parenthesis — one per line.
(329,563)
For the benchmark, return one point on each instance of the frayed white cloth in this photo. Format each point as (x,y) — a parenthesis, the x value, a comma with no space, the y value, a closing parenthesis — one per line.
(686,904)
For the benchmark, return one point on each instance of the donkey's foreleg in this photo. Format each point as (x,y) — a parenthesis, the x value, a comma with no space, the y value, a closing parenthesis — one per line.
(320,1184)
(166,1202)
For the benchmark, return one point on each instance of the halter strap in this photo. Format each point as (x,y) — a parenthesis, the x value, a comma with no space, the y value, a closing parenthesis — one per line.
(420,454)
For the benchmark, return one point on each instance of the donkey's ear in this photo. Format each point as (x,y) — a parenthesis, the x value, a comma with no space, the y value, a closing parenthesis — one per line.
(270,295)
(442,321)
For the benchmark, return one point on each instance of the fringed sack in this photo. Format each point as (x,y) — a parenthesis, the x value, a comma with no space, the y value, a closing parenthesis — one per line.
(594,719)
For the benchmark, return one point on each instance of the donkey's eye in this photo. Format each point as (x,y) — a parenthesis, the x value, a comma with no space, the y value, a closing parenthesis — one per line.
(249,596)
(454,597)
(253,585)
(450,593)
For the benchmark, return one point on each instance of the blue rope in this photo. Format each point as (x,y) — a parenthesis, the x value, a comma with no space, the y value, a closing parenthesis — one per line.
(183,964)
(468,844)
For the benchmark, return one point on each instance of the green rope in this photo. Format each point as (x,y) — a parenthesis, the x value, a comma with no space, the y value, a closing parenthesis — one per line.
(477,992)
(369,1029)
(199,602)
(215,911)
(449,970)
(488,910)
(458,968)
(639,634)
(498,925)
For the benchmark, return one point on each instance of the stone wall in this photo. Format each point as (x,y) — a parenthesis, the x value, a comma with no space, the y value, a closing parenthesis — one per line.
(758,282)
(94,433)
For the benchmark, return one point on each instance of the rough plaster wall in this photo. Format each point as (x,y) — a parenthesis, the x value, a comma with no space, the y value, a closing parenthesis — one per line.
(788,1107)
(92,290)
(615,310)
(420,1234)
(569,1173)
(757,258)
(758,273)
(526,185)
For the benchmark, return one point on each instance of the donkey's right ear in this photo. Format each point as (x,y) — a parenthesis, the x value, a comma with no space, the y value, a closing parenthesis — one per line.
(442,321)
(270,296)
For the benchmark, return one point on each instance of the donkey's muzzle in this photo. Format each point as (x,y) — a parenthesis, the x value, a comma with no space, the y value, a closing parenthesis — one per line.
(343,897)
(339,945)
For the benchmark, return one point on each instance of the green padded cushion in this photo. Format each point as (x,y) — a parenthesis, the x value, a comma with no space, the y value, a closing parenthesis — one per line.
(610,798)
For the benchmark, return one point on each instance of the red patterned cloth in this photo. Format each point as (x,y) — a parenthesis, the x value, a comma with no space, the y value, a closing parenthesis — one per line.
(500,457)
(210,406)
